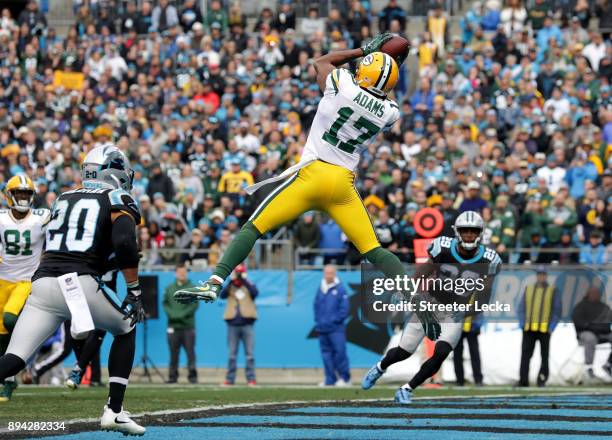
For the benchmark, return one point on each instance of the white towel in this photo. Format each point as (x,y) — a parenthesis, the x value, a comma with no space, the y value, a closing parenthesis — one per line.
(82,322)
(282,176)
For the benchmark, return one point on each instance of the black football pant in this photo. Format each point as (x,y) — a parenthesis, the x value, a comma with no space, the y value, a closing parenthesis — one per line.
(528,346)
(472,340)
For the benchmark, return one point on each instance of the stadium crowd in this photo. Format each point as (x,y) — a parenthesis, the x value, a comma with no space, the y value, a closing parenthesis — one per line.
(511,117)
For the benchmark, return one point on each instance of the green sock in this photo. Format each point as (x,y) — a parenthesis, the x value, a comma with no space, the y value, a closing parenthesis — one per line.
(238,250)
(386,262)
(4,342)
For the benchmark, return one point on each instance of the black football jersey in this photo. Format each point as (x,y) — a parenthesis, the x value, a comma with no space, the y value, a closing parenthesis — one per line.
(78,237)
(450,265)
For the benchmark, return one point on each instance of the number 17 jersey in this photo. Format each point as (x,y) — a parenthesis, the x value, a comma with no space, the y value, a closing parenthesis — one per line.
(79,235)
(348,119)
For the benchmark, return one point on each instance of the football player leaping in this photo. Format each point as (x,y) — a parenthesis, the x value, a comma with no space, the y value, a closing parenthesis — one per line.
(22,235)
(454,258)
(87,225)
(353,111)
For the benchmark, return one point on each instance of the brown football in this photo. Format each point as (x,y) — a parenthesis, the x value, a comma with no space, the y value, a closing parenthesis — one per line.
(396,47)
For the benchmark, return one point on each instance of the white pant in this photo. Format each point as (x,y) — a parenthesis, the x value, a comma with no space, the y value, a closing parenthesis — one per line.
(413,334)
(46,309)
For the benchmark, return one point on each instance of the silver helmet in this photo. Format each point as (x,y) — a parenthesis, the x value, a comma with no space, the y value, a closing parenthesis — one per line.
(107,166)
(469,220)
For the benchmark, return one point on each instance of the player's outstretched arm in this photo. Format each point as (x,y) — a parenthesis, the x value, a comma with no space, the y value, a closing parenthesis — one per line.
(126,250)
(325,64)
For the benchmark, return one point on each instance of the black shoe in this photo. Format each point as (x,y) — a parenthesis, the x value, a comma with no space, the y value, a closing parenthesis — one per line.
(460,384)
(479,384)
(607,367)
(521,384)
(541,381)
(172,381)
(193,380)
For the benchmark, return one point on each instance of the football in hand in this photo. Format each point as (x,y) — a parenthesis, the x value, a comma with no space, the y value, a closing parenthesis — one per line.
(397,47)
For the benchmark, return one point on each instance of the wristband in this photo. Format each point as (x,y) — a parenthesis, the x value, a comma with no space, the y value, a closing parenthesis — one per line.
(134,288)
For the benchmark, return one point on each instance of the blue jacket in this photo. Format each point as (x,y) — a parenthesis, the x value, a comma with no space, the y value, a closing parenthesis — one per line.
(576,176)
(331,308)
(593,255)
(331,236)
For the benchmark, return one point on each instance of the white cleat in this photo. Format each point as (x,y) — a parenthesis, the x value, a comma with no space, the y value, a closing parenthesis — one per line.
(120,422)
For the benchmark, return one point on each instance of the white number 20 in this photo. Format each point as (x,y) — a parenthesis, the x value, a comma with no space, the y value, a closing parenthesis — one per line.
(80,235)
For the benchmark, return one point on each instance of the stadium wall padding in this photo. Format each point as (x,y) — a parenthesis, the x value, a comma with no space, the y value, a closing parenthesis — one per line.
(285,339)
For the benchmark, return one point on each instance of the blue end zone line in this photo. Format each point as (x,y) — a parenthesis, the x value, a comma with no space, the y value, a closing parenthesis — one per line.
(233,433)
(407,410)
(587,392)
(604,427)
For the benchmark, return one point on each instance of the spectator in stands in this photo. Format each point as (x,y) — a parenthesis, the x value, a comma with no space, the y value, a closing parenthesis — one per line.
(391,12)
(594,252)
(312,24)
(159,182)
(240,315)
(473,201)
(539,311)
(195,254)
(558,217)
(164,17)
(331,308)
(592,318)
(306,236)
(181,327)
(331,242)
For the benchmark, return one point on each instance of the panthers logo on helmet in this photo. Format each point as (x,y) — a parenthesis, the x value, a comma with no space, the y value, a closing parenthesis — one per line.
(377,72)
(20,192)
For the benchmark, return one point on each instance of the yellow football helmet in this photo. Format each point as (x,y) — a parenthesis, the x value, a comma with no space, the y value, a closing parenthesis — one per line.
(378,72)
(19,193)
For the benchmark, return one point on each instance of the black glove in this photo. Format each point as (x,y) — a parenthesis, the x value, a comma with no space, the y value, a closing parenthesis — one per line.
(428,319)
(132,304)
(376,43)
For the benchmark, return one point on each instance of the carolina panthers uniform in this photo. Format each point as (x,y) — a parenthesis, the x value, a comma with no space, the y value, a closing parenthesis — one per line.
(78,240)
(444,253)
(22,243)
(347,121)
(450,265)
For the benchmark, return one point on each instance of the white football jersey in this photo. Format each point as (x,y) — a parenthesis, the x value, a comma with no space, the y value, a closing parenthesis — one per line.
(22,244)
(347,121)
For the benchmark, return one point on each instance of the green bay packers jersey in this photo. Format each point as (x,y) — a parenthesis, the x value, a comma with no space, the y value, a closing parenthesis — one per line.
(22,243)
(347,121)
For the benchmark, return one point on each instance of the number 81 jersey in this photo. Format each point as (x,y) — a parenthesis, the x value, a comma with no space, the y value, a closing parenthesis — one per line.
(79,233)
(22,243)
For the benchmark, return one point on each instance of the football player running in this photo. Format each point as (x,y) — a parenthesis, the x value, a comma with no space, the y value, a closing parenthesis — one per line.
(352,111)
(454,258)
(87,225)
(22,235)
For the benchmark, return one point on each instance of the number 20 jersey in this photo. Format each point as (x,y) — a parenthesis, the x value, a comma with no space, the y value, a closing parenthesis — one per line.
(348,119)
(79,233)
(22,244)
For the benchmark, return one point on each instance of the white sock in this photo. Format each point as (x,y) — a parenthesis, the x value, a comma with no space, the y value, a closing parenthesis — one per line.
(379,367)
(407,387)
(217,278)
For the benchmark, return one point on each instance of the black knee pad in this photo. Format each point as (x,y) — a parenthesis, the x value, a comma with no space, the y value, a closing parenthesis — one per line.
(9,320)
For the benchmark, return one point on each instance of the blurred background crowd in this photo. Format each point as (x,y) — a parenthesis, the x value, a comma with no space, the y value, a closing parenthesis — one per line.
(506,111)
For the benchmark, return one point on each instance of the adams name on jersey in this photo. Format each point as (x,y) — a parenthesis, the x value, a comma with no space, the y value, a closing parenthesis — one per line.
(78,235)
(22,243)
(444,253)
(347,120)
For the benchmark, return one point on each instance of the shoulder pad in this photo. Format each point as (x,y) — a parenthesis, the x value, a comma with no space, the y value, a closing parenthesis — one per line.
(435,248)
(494,261)
(121,200)
(44,214)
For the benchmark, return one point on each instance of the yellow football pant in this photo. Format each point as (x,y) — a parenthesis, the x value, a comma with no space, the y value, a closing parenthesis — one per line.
(12,298)
(323,187)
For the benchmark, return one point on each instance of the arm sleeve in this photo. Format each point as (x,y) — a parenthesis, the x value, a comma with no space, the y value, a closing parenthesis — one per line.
(124,242)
